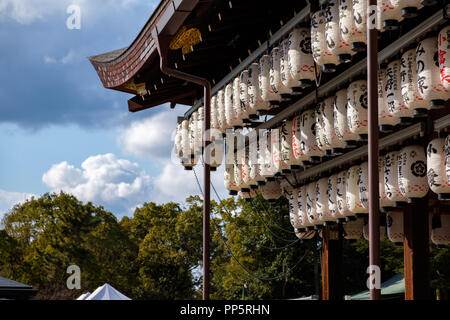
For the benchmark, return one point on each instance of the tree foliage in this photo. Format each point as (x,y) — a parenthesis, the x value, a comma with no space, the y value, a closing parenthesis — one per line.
(157,252)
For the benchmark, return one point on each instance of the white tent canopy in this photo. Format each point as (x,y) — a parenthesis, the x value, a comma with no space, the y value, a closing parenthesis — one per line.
(106,292)
(84,296)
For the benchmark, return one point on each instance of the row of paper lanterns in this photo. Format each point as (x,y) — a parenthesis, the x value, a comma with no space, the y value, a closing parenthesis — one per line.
(393,227)
(408,87)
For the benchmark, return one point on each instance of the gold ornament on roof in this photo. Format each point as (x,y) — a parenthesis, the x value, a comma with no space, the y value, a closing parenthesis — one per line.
(186,39)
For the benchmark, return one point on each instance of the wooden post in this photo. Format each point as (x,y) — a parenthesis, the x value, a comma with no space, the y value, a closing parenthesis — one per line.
(417,252)
(332,288)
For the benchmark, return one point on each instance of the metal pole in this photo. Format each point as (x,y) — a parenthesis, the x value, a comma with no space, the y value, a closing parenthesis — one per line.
(207,196)
(372,84)
(162,43)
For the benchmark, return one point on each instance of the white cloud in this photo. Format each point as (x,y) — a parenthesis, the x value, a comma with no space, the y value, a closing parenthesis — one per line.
(118,184)
(150,138)
(68,58)
(10,199)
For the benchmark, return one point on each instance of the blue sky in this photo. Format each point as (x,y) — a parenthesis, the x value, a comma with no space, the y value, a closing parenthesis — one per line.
(60,129)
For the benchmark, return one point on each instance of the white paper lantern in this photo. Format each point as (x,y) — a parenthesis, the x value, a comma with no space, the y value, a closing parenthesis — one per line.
(391,179)
(302,207)
(291,195)
(358,38)
(341,196)
(444,56)
(271,191)
(330,138)
(177,141)
(276,151)
(386,119)
(214,113)
(331,194)
(269,97)
(335,44)
(247,175)
(229,182)
(275,75)
(441,236)
(390,14)
(357,118)
(254,162)
(297,151)
(366,231)
(363,184)
(285,69)
(221,117)
(243,94)
(410,92)
(200,130)
(428,74)
(395,230)
(267,167)
(396,107)
(385,203)
(354,203)
(229,112)
(300,57)
(324,58)
(341,127)
(320,133)
(286,155)
(311,203)
(412,172)
(193,128)
(353,230)
(436,169)
(254,95)
(322,209)
(237,110)
(309,144)
(347,23)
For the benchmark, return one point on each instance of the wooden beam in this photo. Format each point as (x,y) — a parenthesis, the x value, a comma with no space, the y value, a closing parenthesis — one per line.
(332,281)
(417,252)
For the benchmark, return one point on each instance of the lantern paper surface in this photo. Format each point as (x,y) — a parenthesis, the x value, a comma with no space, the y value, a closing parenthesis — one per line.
(237,112)
(286,144)
(248,194)
(384,116)
(396,107)
(297,150)
(320,134)
(394,222)
(292,196)
(346,21)
(214,113)
(341,127)
(320,52)
(271,190)
(322,209)
(275,73)
(309,144)
(428,73)
(412,172)
(363,184)
(267,93)
(331,194)
(357,107)
(447,156)
(360,17)
(330,137)
(384,200)
(410,92)
(333,38)
(300,54)
(311,203)
(276,150)
(267,169)
(354,203)
(229,112)
(243,94)
(441,236)
(390,10)
(444,56)
(302,207)
(254,97)
(341,195)
(436,167)
(366,231)
(185,140)
(353,230)
(221,118)
(391,186)
(285,70)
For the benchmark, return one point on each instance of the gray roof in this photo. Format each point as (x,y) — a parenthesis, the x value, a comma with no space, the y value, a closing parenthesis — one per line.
(11,284)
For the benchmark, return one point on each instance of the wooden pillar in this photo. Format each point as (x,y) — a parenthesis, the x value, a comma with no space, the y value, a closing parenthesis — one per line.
(332,288)
(417,252)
